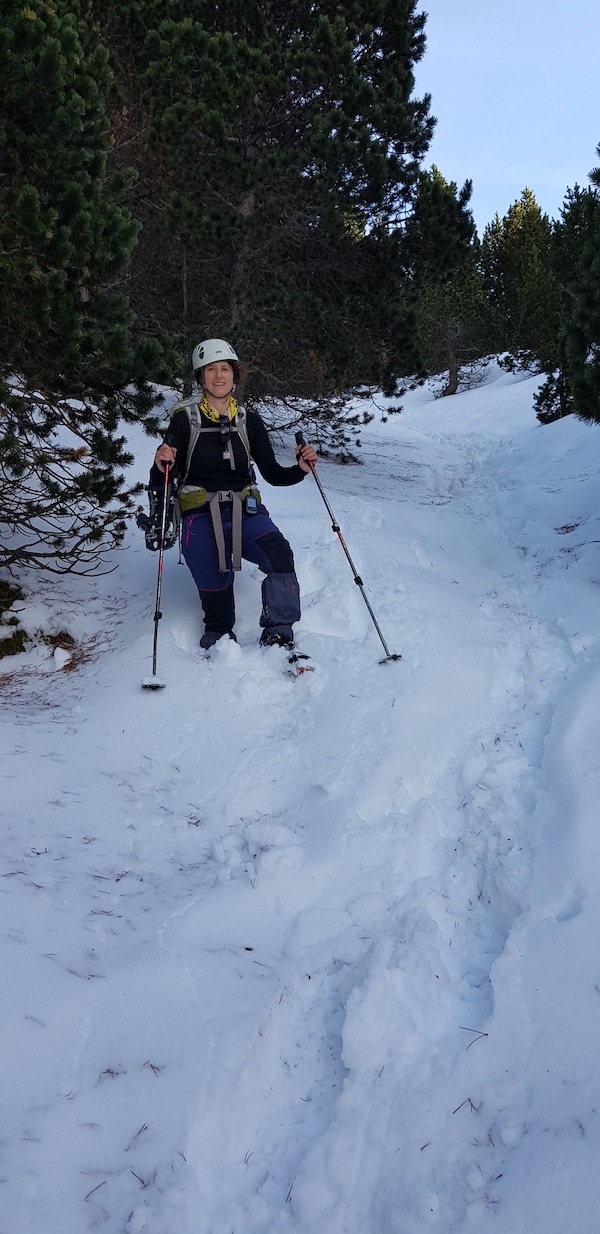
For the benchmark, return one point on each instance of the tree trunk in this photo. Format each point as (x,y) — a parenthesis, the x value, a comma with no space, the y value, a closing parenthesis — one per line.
(452,359)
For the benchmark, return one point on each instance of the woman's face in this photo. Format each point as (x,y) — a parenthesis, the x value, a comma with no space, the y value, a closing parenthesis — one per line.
(218,379)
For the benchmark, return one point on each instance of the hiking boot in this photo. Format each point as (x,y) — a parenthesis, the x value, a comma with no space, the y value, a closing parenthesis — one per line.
(210,637)
(273,637)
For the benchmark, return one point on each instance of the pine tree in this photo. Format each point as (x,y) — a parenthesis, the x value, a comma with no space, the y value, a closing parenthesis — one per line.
(582,285)
(452,318)
(575,264)
(455,328)
(65,237)
(516,260)
(440,233)
(285,145)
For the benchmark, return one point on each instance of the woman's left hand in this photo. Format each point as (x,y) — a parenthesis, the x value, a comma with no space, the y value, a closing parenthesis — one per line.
(306,457)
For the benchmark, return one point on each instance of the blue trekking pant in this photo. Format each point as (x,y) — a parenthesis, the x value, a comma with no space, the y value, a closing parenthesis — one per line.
(265,546)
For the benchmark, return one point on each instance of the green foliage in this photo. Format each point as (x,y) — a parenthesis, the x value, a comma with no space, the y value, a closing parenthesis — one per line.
(571,368)
(285,146)
(554,398)
(12,637)
(453,321)
(440,234)
(63,235)
(580,272)
(519,279)
(454,328)
(68,370)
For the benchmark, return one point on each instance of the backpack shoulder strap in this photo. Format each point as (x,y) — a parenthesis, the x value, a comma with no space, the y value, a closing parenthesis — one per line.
(191,407)
(192,410)
(241,426)
(183,405)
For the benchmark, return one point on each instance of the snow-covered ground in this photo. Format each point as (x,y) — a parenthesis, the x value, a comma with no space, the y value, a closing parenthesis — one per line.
(320,956)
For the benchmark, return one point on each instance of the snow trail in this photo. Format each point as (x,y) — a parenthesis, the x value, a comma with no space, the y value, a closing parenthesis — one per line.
(264,929)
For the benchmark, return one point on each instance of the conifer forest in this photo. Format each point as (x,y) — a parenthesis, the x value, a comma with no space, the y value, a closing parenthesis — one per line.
(252,170)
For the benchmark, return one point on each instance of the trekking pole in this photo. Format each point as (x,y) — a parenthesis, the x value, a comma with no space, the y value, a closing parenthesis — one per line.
(154,682)
(357,579)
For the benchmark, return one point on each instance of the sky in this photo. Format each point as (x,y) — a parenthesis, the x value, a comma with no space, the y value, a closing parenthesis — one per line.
(516,90)
(319,955)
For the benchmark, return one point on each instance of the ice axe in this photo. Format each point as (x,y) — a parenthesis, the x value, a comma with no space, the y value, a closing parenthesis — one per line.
(389,655)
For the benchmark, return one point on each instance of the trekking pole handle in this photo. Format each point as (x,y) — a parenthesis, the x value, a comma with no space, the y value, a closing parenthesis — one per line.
(300,440)
(334,523)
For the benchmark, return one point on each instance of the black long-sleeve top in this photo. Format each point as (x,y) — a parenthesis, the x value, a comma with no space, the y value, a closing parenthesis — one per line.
(211,471)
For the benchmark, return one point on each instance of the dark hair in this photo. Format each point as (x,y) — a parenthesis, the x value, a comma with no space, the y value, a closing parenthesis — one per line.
(233,364)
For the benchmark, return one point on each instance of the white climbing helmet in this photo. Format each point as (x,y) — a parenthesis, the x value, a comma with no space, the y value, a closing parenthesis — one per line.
(211,350)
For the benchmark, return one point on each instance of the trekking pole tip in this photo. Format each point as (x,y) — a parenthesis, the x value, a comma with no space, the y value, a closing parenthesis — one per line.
(393,656)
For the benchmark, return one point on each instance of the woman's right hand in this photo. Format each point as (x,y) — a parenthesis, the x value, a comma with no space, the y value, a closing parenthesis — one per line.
(165,454)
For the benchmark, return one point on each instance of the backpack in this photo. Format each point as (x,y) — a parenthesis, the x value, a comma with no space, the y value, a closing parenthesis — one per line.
(192,497)
(151,523)
(191,406)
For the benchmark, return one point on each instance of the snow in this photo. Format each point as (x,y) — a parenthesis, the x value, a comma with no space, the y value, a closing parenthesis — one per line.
(287,957)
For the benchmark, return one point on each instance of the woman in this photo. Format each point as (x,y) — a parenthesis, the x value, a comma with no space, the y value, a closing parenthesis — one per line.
(210,445)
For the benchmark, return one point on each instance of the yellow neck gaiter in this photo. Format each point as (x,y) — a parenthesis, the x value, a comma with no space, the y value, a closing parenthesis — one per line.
(213,415)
